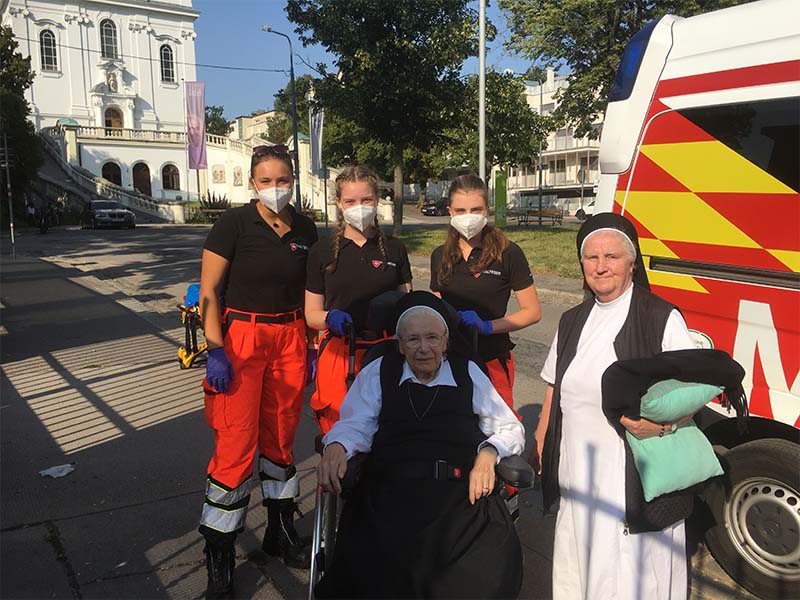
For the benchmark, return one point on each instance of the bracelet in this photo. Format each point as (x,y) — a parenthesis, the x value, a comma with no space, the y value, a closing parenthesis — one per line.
(663,430)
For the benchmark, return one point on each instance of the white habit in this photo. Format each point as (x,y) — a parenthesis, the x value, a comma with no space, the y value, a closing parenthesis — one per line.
(593,557)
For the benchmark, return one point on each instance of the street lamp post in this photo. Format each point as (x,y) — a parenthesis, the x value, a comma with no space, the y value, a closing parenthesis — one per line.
(541,84)
(297,200)
(482,90)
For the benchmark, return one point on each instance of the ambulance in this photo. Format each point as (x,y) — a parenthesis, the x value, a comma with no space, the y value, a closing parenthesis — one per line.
(700,149)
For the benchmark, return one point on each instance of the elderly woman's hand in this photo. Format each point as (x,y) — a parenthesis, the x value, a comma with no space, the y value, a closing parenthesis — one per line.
(481,477)
(642,428)
(332,468)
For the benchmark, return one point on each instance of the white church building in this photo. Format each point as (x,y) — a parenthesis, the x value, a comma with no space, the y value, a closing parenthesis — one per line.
(109,98)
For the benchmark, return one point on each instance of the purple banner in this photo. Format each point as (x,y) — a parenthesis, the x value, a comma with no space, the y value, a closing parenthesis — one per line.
(196,124)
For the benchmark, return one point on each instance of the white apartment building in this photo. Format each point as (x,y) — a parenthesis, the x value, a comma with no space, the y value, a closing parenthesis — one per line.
(570,167)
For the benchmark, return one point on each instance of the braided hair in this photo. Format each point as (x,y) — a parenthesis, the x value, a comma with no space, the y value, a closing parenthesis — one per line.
(353,174)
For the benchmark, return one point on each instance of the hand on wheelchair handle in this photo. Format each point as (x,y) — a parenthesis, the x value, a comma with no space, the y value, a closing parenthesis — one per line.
(336,319)
(332,467)
(471,319)
(219,370)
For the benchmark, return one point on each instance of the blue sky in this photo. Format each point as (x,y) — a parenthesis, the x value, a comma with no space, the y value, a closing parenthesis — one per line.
(229,33)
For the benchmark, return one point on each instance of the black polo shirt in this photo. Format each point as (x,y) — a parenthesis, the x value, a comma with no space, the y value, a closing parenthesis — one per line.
(267,273)
(486,292)
(360,274)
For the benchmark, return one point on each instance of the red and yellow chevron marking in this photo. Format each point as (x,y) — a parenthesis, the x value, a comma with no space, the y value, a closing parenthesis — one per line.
(722,208)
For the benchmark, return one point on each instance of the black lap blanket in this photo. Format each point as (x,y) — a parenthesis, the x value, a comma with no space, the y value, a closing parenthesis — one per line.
(626,381)
(423,539)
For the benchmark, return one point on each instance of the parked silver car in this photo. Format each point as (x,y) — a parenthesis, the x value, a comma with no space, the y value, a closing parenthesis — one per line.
(106,213)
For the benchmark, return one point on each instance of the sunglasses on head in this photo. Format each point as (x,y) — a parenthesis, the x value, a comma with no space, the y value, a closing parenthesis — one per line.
(276,150)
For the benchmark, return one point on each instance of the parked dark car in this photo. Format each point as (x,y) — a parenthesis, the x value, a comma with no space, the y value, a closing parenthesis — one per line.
(437,208)
(106,213)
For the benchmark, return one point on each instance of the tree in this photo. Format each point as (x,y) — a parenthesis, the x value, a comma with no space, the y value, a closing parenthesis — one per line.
(215,123)
(587,37)
(279,128)
(398,68)
(24,146)
(514,132)
(283,102)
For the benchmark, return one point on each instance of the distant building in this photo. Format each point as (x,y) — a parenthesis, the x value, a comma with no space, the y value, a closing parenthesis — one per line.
(569,164)
(249,126)
(115,71)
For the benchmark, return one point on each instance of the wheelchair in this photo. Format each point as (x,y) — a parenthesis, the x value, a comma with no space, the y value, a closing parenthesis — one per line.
(191,321)
(512,472)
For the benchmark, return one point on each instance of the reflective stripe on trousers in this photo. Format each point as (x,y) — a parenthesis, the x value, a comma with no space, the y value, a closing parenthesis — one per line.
(277,482)
(225,509)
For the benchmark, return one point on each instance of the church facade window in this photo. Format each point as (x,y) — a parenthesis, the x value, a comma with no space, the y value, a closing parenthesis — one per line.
(108,39)
(170,178)
(47,47)
(167,64)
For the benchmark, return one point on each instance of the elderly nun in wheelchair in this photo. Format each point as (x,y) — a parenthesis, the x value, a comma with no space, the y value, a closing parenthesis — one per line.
(426,519)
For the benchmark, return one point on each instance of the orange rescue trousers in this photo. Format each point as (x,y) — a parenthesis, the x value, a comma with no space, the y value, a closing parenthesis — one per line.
(332,367)
(501,374)
(260,411)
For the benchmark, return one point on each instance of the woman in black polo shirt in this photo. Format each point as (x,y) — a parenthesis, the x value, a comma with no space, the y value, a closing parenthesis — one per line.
(251,290)
(343,277)
(475,270)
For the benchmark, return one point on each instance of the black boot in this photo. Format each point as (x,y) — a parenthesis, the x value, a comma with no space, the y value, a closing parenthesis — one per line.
(220,562)
(281,539)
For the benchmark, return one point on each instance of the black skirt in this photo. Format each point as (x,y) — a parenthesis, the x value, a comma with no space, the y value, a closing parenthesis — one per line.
(423,539)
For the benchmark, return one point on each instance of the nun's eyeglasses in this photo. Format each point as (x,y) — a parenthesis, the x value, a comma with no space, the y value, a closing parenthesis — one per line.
(432,340)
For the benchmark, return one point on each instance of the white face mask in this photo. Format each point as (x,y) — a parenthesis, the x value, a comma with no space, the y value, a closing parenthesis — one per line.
(274,198)
(361,217)
(468,225)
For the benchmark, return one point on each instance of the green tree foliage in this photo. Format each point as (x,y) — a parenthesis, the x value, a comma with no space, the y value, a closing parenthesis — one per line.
(24,145)
(279,128)
(283,102)
(586,38)
(514,131)
(398,67)
(216,124)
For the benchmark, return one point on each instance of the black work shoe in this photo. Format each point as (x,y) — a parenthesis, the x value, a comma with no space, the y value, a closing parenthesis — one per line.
(220,562)
(281,539)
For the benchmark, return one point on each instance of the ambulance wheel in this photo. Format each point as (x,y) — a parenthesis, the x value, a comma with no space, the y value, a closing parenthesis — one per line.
(756,509)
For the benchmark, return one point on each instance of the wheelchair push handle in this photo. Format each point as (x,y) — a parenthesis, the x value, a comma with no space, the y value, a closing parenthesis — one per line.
(350,337)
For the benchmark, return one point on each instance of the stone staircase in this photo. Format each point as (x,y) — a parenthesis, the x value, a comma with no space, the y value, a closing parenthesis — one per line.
(57,176)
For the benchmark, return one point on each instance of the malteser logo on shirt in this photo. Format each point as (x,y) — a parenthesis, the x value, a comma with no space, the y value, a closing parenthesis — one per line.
(379,263)
(294,246)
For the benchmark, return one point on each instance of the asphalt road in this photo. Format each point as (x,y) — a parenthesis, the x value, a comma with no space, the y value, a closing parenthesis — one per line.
(89,334)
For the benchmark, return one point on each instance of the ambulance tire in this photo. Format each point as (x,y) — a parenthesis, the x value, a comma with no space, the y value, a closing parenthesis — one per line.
(755,537)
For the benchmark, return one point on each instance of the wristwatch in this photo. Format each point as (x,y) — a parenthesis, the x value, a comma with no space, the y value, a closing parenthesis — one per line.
(673,427)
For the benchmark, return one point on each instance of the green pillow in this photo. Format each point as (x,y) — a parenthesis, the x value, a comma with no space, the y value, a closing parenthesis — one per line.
(669,400)
(674,462)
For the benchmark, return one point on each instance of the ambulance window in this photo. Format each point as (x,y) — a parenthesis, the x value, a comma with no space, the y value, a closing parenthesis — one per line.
(767,133)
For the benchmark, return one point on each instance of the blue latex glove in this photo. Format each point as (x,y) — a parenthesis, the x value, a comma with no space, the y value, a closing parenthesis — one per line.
(219,371)
(311,364)
(336,319)
(471,318)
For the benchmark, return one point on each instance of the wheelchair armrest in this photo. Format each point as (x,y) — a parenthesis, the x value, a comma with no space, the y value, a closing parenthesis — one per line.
(514,470)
